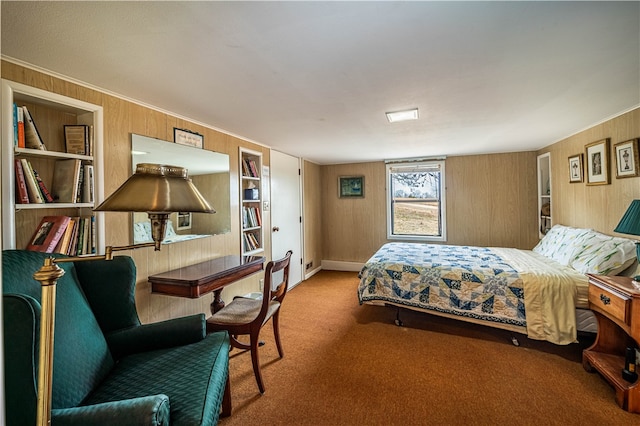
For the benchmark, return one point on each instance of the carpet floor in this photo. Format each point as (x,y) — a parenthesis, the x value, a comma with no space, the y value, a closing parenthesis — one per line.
(347,364)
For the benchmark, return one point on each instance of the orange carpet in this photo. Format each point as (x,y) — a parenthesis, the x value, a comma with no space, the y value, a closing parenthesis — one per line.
(347,364)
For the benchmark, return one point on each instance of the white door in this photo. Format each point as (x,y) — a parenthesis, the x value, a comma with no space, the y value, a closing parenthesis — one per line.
(286,212)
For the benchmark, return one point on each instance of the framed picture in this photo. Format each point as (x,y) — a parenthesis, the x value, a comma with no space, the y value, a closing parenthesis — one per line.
(184,220)
(351,186)
(187,137)
(597,158)
(626,158)
(576,170)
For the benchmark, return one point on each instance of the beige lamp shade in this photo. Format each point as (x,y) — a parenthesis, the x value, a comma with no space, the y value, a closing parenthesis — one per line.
(157,188)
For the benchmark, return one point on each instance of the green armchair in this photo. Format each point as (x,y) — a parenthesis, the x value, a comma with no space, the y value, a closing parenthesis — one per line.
(108,369)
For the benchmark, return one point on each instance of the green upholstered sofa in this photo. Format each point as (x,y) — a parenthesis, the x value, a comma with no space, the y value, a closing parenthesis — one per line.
(108,369)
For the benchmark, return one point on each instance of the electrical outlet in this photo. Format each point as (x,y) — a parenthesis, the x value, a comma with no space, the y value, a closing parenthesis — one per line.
(308,266)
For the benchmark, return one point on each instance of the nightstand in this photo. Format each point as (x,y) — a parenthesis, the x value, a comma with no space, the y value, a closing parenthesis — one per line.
(616,305)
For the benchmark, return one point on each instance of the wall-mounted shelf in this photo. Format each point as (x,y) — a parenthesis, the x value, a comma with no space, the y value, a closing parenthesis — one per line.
(251,214)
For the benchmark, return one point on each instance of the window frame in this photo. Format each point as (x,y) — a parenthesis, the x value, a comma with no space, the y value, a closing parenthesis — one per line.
(390,166)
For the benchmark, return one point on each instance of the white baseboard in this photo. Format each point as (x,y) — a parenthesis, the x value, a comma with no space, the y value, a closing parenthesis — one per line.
(336,265)
(311,273)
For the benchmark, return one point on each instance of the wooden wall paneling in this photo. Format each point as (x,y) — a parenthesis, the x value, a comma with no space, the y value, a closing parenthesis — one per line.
(598,207)
(312,222)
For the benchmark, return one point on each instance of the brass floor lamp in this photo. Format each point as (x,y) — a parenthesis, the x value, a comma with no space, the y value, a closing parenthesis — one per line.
(156,189)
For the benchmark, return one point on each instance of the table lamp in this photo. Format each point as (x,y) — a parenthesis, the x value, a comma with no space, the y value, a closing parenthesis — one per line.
(156,189)
(630,224)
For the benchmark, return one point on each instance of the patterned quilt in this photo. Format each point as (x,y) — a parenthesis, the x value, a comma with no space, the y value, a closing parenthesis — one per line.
(472,282)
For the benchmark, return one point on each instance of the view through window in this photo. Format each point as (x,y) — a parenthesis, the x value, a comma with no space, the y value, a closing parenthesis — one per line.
(415,201)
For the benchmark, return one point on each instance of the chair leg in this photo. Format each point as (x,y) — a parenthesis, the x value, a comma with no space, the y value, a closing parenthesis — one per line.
(276,332)
(255,361)
(226,399)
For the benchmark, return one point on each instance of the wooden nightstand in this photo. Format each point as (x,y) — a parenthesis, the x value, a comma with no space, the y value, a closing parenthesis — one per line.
(616,305)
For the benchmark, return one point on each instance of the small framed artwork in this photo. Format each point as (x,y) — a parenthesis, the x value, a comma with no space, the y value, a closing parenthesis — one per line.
(351,186)
(187,137)
(626,158)
(597,162)
(576,170)
(184,220)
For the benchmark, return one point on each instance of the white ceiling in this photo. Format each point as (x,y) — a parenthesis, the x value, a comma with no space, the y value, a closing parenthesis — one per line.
(314,79)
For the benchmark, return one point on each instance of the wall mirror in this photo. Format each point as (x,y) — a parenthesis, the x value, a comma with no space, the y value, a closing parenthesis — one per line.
(209,172)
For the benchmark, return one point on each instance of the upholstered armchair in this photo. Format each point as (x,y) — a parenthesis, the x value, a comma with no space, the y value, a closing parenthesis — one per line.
(108,369)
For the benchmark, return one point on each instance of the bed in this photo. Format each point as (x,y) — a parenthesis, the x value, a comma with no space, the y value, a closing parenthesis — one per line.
(541,292)
(142,234)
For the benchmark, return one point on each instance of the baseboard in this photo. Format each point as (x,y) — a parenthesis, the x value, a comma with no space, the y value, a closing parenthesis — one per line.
(336,265)
(311,273)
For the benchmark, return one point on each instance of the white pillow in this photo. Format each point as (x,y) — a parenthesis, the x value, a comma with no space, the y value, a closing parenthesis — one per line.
(561,243)
(603,254)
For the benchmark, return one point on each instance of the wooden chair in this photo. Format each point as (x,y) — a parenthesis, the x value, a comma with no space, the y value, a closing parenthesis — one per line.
(247,316)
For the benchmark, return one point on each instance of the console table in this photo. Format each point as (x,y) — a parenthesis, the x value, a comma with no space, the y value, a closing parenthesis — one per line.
(206,277)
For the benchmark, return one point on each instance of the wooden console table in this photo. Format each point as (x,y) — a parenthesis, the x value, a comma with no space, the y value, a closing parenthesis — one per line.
(206,277)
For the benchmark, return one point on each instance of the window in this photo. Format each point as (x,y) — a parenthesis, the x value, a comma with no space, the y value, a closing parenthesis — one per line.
(416,201)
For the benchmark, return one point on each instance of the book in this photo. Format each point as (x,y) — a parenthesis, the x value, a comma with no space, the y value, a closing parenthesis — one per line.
(35,196)
(65,241)
(79,184)
(76,138)
(66,174)
(46,195)
(20,127)
(22,196)
(32,137)
(48,233)
(88,185)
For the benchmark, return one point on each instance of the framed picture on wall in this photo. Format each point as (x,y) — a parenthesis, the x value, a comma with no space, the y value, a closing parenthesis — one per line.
(626,158)
(576,170)
(351,186)
(184,220)
(597,159)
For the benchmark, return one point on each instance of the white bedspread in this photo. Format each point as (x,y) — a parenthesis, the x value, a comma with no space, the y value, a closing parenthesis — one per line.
(551,293)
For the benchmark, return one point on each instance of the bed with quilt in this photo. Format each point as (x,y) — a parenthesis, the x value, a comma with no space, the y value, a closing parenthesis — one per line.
(541,292)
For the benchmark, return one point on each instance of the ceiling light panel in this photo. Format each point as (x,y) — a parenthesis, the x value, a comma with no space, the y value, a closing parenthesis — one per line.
(409,114)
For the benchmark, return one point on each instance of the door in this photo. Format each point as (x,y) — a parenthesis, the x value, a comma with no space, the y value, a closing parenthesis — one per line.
(286,212)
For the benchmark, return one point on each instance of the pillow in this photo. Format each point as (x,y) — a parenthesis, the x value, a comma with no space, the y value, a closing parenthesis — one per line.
(603,254)
(169,231)
(561,243)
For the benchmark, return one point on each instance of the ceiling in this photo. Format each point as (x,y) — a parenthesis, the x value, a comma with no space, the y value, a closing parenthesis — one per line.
(314,79)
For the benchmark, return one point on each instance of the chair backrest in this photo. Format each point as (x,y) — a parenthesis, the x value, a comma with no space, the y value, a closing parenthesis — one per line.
(268,292)
(81,356)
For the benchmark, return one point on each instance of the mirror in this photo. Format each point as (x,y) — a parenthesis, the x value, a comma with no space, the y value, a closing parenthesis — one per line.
(209,172)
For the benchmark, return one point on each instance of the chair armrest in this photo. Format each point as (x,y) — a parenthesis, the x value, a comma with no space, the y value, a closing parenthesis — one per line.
(164,334)
(147,410)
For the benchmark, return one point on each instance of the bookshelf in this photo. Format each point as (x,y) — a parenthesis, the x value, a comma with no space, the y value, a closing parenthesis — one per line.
(544,193)
(251,214)
(50,112)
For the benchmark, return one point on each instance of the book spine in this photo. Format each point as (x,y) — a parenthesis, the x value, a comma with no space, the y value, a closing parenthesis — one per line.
(15,125)
(32,185)
(46,195)
(21,184)
(88,189)
(20,127)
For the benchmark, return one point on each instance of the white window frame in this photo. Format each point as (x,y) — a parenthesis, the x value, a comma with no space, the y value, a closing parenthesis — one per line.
(443,201)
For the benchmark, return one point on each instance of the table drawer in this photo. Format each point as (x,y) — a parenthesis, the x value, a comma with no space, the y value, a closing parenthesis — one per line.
(614,304)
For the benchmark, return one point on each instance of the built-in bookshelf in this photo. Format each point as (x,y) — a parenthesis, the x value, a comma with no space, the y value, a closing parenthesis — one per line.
(73,180)
(251,213)
(544,194)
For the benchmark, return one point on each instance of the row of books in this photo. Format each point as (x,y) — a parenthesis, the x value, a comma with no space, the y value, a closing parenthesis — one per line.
(74,236)
(78,138)
(25,132)
(251,217)
(250,241)
(249,168)
(73,182)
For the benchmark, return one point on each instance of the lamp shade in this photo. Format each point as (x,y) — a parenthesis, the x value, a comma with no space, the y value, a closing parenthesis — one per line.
(630,222)
(156,188)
